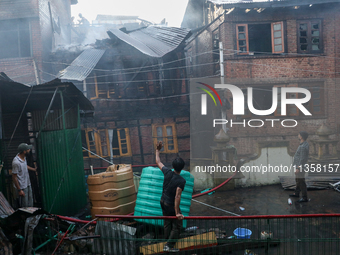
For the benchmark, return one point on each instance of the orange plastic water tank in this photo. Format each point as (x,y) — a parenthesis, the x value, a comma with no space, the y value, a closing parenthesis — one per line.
(112,192)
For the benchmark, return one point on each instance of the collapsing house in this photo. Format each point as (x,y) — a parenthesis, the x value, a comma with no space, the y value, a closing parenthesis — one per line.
(137,83)
(48,116)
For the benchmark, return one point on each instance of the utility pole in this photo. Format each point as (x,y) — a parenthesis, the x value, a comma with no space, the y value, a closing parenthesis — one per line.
(223,113)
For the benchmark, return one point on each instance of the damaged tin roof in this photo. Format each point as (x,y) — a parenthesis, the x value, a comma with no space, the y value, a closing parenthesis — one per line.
(82,66)
(14,94)
(153,41)
(268,4)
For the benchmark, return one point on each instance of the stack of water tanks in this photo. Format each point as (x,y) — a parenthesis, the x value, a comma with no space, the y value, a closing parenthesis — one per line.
(150,192)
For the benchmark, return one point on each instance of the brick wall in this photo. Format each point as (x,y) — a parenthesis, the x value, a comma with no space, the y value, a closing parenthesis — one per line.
(36,12)
(276,69)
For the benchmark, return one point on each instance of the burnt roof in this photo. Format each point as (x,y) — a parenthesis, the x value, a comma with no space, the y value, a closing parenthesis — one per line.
(269,4)
(82,66)
(154,41)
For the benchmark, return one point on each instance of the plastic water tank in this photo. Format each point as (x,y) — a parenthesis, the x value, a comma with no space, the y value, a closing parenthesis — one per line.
(150,192)
(112,192)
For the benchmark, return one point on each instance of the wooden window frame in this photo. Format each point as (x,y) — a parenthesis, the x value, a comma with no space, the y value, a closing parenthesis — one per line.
(128,142)
(282,37)
(246,39)
(309,37)
(322,98)
(164,137)
(276,113)
(96,142)
(272,38)
(98,92)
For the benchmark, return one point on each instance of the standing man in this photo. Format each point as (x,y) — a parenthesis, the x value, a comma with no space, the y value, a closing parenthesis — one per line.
(300,159)
(20,176)
(173,186)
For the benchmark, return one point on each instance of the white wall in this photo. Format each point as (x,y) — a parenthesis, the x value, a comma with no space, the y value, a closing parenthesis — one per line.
(270,156)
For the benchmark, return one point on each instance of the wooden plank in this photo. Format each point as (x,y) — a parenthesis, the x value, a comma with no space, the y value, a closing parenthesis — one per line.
(198,241)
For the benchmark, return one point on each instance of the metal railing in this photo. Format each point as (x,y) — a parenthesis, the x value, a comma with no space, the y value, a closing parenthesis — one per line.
(270,234)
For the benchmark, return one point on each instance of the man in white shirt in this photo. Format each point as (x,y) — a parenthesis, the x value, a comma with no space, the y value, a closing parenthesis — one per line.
(20,176)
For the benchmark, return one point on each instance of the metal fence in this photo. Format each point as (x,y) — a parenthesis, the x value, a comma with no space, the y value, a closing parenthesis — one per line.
(278,234)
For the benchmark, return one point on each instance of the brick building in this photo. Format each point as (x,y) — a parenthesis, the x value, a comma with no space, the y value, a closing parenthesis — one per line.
(29,31)
(272,44)
(136,82)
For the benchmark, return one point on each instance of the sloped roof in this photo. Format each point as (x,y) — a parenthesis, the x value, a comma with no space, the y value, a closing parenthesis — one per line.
(82,66)
(268,4)
(154,41)
(14,94)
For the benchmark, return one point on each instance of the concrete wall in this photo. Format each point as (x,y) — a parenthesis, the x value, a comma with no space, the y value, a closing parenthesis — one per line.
(267,166)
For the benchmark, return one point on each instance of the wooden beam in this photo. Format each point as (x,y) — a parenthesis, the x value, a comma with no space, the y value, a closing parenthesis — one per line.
(192,242)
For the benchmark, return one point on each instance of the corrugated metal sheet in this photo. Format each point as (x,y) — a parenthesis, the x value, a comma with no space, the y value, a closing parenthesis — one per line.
(61,161)
(288,182)
(115,239)
(82,66)
(5,208)
(268,3)
(153,41)
(54,119)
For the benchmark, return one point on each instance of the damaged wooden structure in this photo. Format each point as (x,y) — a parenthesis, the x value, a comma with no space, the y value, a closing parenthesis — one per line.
(137,83)
(49,117)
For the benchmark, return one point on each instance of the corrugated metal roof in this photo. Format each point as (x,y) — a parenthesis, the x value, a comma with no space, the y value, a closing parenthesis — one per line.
(154,41)
(115,239)
(82,66)
(268,3)
(15,94)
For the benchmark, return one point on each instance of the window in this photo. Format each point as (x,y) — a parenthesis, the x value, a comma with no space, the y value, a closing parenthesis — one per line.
(263,99)
(153,87)
(106,142)
(316,104)
(291,110)
(105,85)
(120,142)
(90,140)
(309,36)
(260,38)
(166,133)
(15,39)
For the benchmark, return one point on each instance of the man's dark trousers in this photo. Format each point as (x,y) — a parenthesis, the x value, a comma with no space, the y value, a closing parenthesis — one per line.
(172,227)
(301,184)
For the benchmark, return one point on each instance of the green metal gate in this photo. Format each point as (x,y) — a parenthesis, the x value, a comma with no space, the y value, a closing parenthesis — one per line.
(62,181)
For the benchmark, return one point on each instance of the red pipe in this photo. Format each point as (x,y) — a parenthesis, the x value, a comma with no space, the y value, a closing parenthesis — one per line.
(62,239)
(222,217)
(130,216)
(75,220)
(217,187)
(84,221)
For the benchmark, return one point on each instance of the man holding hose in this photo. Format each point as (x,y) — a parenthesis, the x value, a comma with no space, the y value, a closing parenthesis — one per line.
(173,186)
